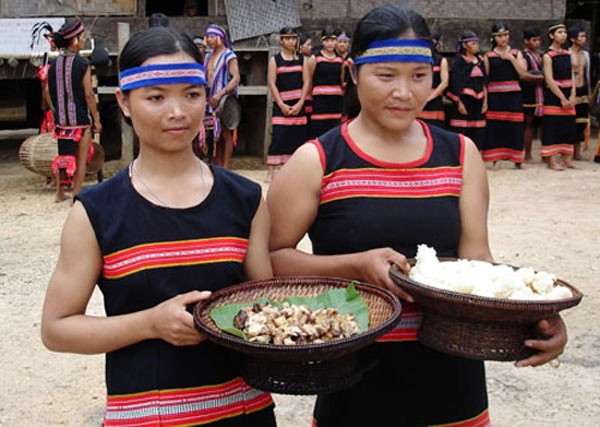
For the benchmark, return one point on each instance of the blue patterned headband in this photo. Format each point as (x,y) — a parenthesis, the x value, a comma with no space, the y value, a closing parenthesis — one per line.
(161,74)
(397,50)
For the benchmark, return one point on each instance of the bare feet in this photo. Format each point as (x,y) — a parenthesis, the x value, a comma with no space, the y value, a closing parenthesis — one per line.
(518,165)
(60,197)
(568,162)
(554,164)
(496,166)
(529,160)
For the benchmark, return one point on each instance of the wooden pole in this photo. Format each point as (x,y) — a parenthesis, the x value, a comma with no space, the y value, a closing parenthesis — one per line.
(126,130)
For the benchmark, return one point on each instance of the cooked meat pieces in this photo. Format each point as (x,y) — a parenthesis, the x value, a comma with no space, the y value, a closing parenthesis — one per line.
(294,324)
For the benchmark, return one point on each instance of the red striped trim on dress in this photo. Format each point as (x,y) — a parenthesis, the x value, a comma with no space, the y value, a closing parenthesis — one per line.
(432,115)
(179,253)
(481,420)
(289,121)
(505,86)
(330,116)
(290,95)
(505,116)
(552,53)
(457,123)
(453,97)
(407,328)
(496,154)
(289,69)
(551,150)
(564,83)
(471,92)
(553,110)
(185,407)
(391,183)
(336,59)
(327,90)
(476,72)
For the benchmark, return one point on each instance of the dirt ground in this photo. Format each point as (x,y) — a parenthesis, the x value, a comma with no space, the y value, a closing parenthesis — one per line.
(540,218)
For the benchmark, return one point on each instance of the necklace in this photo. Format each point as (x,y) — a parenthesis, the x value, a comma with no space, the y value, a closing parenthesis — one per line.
(153,194)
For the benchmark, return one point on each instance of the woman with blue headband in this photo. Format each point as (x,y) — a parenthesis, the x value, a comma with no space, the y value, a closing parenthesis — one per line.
(367,193)
(156,238)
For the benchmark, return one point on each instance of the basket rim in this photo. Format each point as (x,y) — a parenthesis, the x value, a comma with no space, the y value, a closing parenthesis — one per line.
(480,301)
(258,349)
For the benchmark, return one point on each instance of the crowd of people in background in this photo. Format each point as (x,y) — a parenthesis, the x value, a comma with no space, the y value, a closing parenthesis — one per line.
(500,99)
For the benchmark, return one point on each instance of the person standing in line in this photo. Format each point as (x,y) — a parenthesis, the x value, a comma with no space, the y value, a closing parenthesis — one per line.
(434,113)
(156,238)
(73,101)
(580,60)
(505,120)
(558,122)
(351,106)
(223,75)
(305,50)
(532,87)
(467,90)
(325,69)
(289,83)
(340,188)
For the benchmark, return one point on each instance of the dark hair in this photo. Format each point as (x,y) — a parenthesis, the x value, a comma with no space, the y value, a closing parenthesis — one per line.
(436,36)
(158,20)
(327,32)
(287,31)
(467,34)
(302,37)
(387,22)
(58,37)
(498,26)
(156,41)
(531,32)
(574,31)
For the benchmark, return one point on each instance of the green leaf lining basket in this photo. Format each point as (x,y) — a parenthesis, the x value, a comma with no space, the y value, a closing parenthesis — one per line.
(300,368)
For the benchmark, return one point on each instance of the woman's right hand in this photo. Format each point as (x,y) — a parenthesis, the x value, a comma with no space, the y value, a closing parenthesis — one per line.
(171,322)
(374,267)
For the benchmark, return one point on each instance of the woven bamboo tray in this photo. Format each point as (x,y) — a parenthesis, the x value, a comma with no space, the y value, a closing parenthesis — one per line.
(302,368)
(479,327)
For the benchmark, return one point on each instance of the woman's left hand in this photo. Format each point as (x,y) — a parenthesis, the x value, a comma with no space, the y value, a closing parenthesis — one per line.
(555,331)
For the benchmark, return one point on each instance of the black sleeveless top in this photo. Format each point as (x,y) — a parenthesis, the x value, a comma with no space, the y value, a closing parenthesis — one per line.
(65,83)
(367,203)
(153,253)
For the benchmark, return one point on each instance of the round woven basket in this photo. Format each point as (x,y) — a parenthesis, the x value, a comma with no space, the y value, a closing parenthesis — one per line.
(479,327)
(301,368)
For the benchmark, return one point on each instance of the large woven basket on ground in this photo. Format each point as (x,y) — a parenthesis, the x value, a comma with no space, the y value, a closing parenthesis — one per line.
(301,368)
(479,327)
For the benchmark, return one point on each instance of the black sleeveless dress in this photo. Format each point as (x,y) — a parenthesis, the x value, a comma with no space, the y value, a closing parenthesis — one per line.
(327,95)
(150,254)
(289,132)
(558,123)
(367,203)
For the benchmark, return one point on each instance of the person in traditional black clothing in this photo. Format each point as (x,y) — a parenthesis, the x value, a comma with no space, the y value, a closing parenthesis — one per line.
(351,102)
(532,87)
(580,60)
(467,90)
(368,192)
(289,83)
(504,67)
(325,68)
(305,49)
(73,101)
(434,112)
(558,123)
